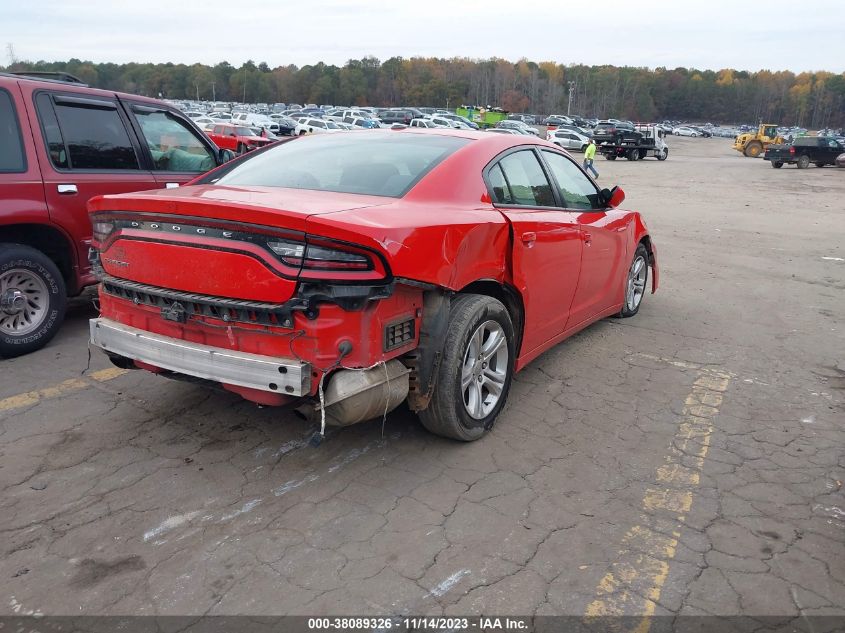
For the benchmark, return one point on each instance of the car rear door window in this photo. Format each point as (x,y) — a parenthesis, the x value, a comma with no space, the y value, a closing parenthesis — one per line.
(576,190)
(174,146)
(12,157)
(86,133)
(526,180)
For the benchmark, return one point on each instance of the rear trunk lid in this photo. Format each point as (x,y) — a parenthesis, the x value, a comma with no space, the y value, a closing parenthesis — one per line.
(213,240)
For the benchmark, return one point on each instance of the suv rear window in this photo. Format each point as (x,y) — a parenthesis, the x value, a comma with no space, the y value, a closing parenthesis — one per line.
(12,158)
(386,165)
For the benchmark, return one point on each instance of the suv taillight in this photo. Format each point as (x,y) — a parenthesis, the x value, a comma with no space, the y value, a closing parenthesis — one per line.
(792,150)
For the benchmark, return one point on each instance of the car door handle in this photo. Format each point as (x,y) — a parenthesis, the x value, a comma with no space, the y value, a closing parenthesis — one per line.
(67,190)
(529,238)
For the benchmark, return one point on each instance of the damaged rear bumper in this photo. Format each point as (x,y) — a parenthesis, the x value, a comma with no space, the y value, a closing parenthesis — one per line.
(265,373)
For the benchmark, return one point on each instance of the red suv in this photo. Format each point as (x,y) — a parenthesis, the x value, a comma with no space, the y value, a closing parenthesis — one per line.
(62,143)
(237,138)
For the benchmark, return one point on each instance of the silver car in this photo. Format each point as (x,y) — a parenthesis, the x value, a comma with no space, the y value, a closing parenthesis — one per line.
(568,139)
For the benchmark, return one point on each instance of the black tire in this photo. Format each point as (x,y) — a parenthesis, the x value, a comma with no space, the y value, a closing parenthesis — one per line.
(632,154)
(610,156)
(302,132)
(803,162)
(777,164)
(241,148)
(447,414)
(35,263)
(664,154)
(626,311)
(642,154)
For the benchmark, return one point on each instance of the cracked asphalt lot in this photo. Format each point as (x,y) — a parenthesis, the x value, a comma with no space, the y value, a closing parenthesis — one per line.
(686,461)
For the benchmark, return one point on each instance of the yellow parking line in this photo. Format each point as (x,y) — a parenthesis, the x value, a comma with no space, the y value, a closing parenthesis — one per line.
(633,584)
(68,386)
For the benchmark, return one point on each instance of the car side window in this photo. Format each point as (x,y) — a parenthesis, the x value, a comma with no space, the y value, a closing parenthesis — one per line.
(173,145)
(12,157)
(526,180)
(576,190)
(85,134)
(501,191)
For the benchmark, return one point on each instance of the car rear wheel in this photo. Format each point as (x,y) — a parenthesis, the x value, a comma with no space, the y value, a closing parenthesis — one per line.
(610,156)
(475,372)
(241,148)
(32,300)
(635,282)
(777,164)
(803,162)
(633,154)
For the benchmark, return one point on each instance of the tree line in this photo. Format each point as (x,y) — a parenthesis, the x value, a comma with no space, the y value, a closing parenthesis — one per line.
(810,99)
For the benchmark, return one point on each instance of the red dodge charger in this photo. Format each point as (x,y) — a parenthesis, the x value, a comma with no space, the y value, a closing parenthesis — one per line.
(346,273)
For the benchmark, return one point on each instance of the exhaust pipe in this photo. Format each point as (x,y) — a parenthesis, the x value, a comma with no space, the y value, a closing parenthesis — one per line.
(357,395)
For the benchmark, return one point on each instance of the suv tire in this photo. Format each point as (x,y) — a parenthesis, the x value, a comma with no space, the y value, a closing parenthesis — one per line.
(33,300)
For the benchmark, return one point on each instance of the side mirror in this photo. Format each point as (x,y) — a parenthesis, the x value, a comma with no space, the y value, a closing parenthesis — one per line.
(612,197)
(224,156)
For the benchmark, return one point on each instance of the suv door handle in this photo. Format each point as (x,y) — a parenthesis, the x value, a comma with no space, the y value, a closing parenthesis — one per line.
(67,190)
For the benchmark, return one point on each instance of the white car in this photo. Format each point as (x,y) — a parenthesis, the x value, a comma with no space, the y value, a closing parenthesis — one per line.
(426,123)
(568,139)
(443,122)
(685,131)
(504,130)
(203,121)
(250,119)
(315,126)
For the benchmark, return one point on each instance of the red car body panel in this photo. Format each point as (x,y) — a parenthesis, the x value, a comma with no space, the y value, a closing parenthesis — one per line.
(568,267)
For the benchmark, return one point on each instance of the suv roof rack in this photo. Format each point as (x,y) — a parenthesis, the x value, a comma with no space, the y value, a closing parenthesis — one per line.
(48,75)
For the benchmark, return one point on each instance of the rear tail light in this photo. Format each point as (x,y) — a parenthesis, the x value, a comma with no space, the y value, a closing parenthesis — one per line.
(313,257)
(792,150)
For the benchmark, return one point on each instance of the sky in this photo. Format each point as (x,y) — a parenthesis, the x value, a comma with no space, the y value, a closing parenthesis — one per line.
(741,34)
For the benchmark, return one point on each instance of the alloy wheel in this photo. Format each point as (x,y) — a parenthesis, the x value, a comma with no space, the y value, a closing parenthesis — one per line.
(484,370)
(636,283)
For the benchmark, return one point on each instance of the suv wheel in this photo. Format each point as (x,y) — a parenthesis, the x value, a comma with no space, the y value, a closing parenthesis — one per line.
(476,370)
(32,300)
(803,162)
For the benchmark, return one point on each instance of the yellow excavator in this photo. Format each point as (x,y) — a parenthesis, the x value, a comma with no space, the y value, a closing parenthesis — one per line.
(753,144)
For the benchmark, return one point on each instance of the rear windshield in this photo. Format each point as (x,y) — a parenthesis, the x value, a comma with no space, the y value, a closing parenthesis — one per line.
(371,164)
